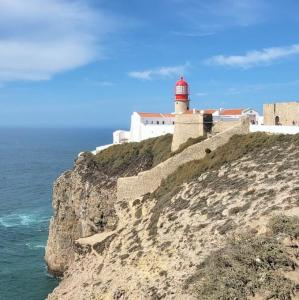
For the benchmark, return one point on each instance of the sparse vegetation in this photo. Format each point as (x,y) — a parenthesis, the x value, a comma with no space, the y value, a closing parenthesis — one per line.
(250,265)
(237,209)
(227,226)
(237,147)
(246,266)
(282,224)
(188,143)
(158,209)
(130,158)
(250,192)
(146,154)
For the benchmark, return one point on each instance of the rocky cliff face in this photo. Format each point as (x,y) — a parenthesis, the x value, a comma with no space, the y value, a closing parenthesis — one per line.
(83,205)
(153,247)
(84,197)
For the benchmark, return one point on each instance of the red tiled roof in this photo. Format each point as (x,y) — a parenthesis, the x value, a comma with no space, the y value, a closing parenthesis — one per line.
(205,111)
(231,112)
(209,111)
(223,112)
(155,115)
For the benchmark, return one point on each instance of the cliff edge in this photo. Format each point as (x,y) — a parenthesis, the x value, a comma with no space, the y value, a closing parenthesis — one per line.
(84,197)
(222,227)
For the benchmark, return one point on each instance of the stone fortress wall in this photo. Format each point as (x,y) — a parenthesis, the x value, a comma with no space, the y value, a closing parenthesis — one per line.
(129,188)
(284,113)
(186,126)
(221,126)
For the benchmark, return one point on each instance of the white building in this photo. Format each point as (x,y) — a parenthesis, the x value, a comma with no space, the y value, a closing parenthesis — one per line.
(145,126)
(234,114)
(148,125)
(121,136)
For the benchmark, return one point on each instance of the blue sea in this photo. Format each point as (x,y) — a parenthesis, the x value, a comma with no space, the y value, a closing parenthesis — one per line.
(30,160)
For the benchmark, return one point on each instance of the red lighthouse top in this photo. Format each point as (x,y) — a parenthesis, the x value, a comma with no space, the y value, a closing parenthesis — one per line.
(181,90)
(181,82)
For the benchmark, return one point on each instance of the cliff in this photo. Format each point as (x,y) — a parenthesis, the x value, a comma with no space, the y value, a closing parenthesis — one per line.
(84,197)
(222,227)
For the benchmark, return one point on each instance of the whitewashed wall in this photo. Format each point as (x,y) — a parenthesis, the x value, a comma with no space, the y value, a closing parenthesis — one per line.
(135,128)
(149,130)
(145,128)
(121,136)
(275,129)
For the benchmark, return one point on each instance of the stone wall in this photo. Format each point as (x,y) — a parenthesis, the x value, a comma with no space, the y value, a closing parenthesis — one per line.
(186,126)
(149,181)
(221,126)
(287,113)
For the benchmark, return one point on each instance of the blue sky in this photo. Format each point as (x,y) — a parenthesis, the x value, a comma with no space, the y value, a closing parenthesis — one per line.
(90,63)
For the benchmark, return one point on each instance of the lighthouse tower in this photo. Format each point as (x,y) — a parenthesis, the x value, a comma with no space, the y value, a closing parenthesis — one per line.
(181,96)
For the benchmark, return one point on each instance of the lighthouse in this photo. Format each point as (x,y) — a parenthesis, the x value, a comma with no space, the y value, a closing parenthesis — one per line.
(181,96)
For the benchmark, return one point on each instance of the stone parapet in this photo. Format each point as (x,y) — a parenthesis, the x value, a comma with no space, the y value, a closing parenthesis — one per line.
(187,126)
(221,126)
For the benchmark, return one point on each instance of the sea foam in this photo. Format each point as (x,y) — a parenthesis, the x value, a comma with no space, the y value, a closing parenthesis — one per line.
(14,220)
(35,246)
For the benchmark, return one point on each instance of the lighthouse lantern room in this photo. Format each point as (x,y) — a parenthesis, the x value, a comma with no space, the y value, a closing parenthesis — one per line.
(181,96)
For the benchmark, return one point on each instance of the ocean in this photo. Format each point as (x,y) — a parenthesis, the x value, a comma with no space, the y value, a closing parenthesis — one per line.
(30,160)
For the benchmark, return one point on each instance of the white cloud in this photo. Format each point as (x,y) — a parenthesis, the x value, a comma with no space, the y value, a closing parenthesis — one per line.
(40,38)
(255,58)
(203,17)
(160,72)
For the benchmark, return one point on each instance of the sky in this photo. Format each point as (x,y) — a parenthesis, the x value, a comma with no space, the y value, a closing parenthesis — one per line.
(91,63)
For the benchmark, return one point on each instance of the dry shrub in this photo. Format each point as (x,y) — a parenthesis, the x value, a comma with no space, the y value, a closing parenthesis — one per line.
(235,148)
(118,159)
(188,143)
(148,153)
(247,265)
(285,225)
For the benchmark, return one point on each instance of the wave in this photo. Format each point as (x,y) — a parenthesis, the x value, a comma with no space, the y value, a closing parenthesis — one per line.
(34,246)
(14,220)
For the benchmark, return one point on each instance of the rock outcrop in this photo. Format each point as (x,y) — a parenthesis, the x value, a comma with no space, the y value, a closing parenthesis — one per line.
(83,205)
(152,247)
(84,197)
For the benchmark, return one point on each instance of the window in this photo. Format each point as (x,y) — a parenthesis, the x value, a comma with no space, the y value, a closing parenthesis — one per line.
(173,122)
(163,122)
(158,122)
(277,122)
(152,122)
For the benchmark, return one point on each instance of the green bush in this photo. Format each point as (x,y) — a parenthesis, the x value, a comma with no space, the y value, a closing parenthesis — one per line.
(119,159)
(148,153)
